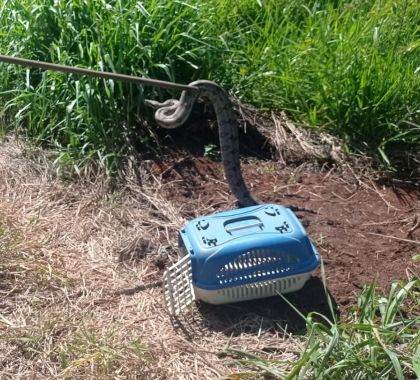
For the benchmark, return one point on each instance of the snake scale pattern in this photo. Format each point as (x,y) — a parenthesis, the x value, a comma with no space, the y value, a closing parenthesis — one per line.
(173,113)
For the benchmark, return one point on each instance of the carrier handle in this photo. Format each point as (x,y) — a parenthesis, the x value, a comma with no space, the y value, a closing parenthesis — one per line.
(258,224)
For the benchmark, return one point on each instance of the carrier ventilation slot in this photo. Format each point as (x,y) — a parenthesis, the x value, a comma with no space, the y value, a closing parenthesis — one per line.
(261,289)
(256,265)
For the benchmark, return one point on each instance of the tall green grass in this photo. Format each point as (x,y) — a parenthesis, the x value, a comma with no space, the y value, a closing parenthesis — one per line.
(380,340)
(93,119)
(352,67)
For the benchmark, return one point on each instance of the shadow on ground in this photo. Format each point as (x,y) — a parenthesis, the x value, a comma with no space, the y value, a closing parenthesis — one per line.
(272,314)
(199,137)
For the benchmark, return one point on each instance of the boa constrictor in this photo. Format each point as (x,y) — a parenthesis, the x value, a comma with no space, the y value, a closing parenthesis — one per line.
(173,113)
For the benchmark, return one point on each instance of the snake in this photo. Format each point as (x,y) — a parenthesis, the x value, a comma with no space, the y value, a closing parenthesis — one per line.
(173,113)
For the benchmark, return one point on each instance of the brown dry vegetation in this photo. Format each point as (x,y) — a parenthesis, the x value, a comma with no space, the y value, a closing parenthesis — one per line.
(67,250)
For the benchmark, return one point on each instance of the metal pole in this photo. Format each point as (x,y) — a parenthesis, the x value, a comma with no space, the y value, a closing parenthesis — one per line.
(95,73)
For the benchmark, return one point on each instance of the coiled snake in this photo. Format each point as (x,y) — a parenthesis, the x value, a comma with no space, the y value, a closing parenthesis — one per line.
(173,113)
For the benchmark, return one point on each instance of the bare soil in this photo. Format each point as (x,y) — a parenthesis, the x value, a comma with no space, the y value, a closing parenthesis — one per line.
(365,227)
(364,231)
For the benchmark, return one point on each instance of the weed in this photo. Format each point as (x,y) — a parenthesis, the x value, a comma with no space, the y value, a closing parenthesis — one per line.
(350,67)
(210,150)
(380,341)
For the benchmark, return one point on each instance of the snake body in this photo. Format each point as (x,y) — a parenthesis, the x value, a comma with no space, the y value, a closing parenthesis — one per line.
(173,113)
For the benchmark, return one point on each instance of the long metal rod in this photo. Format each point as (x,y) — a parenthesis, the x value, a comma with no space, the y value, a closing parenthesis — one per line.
(96,73)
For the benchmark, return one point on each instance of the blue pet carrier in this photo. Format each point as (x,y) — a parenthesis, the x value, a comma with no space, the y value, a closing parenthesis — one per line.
(240,255)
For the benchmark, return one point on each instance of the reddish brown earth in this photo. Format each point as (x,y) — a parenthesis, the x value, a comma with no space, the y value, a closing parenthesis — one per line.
(363,230)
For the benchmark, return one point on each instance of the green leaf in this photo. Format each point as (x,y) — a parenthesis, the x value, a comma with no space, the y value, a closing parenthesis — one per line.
(416,362)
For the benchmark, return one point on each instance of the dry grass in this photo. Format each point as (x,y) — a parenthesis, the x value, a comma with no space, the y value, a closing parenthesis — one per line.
(68,253)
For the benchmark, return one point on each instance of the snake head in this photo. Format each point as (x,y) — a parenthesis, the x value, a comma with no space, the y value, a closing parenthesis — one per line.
(156,105)
(153,104)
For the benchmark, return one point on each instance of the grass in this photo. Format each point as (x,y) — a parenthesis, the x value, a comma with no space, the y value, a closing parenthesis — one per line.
(350,67)
(380,340)
(56,319)
(20,267)
(74,347)
(61,262)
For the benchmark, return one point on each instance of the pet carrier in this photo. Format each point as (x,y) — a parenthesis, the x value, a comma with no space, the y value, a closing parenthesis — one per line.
(240,255)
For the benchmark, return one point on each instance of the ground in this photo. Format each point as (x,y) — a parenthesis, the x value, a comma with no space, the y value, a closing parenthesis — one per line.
(364,231)
(81,258)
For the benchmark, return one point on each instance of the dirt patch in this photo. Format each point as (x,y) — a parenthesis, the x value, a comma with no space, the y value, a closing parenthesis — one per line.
(364,231)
